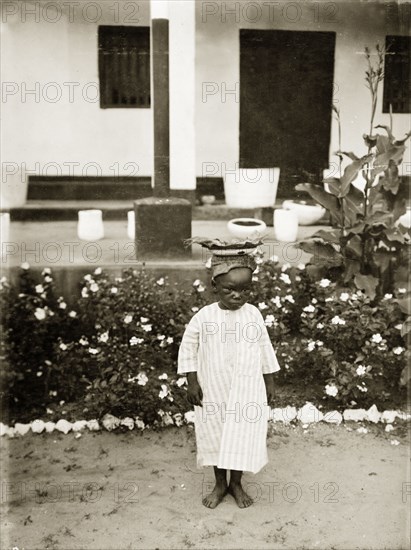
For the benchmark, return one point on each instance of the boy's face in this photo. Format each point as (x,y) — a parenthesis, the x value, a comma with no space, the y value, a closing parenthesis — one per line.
(233,288)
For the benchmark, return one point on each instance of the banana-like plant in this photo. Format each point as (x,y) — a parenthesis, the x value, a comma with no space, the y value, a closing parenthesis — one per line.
(367,245)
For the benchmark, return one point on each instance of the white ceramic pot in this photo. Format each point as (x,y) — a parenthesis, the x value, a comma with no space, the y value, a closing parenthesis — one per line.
(285,225)
(131,225)
(307,214)
(90,225)
(251,187)
(246,227)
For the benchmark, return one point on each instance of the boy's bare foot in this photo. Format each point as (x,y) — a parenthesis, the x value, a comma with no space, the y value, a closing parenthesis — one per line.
(240,496)
(216,496)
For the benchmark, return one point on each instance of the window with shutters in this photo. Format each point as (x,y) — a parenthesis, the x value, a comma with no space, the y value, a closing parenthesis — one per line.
(124,66)
(397,70)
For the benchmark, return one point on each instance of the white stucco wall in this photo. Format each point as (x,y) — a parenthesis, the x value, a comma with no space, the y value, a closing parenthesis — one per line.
(40,135)
(356,24)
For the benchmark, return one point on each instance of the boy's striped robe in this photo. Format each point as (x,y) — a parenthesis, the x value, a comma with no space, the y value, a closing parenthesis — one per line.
(230,350)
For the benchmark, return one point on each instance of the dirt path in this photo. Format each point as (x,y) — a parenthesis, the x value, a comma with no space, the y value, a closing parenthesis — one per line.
(325,487)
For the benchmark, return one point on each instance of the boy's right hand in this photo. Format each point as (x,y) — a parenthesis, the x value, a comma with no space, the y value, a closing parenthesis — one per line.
(194,394)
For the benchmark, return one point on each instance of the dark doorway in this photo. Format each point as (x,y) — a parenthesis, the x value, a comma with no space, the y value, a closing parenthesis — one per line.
(286,94)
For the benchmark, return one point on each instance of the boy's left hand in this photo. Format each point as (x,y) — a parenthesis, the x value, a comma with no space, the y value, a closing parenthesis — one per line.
(269,387)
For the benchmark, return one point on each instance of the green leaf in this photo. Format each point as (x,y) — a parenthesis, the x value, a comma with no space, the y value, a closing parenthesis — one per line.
(405,305)
(353,204)
(334,185)
(382,161)
(332,236)
(350,155)
(351,172)
(321,251)
(390,137)
(354,245)
(367,283)
(352,267)
(321,196)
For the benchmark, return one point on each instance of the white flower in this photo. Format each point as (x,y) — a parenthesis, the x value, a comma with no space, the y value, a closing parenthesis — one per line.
(208,263)
(200,288)
(142,379)
(319,343)
(289,298)
(301,266)
(143,319)
(48,279)
(402,290)
(354,297)
(320,325)
(103,337)
(361,370)
(394,442)
(147,328)
(309,309)
(276,301)
(262,305)
(160,336)
(399,326)
(331,389)
(62,305)
(362,388)
(181,381)
(398,350)
(376,338)
(178,419)
(324,283)
(83,341)
(163,392)
(93,351)
(163,376)
(160,281)
(40,314)
(314,301)
(128,318)
(197,282)
(39,289)
(311,345)
(88,278)
(84,292)
(72,314)
(387,296)
(39,373)
(46,271)
(94,287)
(285,267)
(63,347)
(337,320)
(134,341)
(97,271)
(269,320)
(25,265)
(170,340)
(285,278)
(329,299)
(344,296)
(114,290)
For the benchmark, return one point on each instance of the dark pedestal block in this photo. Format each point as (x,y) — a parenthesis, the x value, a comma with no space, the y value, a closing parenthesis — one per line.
(162,224)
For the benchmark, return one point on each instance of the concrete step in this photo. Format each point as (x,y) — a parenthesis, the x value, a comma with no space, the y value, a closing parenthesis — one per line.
(49,210)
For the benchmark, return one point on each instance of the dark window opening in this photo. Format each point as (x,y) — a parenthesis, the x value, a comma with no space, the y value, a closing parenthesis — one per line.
(124,66)
(397,69)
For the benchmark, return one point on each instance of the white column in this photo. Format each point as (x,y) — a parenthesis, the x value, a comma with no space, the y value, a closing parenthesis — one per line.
(182,94)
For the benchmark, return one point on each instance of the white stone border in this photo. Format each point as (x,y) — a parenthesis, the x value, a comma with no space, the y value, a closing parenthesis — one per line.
(307,414)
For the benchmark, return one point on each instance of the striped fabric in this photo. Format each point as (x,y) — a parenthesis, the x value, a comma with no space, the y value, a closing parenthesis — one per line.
(230,350)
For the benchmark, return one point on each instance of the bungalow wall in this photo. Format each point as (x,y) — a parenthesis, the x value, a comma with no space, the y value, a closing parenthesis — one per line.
(49,134)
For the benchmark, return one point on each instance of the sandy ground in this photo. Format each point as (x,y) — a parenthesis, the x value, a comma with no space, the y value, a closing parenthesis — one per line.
(325,487)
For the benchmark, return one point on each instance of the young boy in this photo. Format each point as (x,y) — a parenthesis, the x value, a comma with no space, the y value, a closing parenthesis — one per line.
(229,361)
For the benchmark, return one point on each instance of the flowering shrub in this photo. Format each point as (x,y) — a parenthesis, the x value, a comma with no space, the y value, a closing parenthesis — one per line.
(116,352)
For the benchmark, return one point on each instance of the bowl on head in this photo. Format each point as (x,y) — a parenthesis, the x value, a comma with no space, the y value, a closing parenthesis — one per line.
(246,227)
